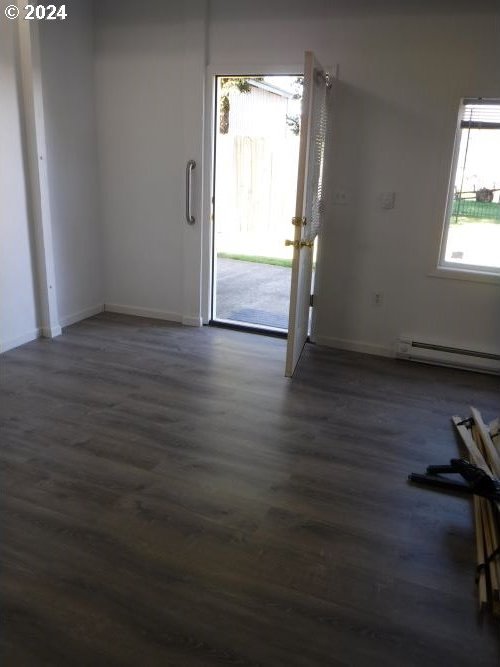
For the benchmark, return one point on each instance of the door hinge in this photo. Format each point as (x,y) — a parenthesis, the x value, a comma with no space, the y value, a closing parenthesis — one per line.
(299,222)
(311,300)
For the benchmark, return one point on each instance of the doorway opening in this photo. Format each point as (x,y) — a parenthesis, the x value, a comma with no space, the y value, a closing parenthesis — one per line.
(256,139)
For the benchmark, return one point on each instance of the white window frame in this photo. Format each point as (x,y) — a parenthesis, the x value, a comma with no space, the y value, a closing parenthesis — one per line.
(460,270)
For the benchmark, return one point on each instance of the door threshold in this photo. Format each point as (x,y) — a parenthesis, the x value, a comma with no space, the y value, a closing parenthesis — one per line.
(247,327)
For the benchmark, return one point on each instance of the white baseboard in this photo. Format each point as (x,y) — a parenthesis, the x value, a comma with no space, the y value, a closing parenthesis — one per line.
(355,346)
(43,332)
(142,312)
(81,315)
(29,336)
(192,321)
(50,332)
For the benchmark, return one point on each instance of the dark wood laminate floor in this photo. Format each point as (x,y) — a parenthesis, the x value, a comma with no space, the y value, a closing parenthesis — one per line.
(170,499)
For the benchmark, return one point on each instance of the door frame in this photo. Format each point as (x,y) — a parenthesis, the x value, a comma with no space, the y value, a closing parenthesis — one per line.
(212,72)
(34,148)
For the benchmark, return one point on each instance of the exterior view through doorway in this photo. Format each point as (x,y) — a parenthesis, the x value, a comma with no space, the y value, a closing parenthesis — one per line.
(257,135)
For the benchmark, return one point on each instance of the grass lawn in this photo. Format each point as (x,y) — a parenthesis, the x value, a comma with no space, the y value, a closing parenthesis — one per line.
(257,259)
(463,220)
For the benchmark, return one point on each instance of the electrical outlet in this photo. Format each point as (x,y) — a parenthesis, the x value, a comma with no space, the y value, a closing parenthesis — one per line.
(340,197)
(387,199)
(378,298)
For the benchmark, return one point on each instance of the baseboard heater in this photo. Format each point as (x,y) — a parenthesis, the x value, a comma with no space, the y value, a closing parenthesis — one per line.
(444,355)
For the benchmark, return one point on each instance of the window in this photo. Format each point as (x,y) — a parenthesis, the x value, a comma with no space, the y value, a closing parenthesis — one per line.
(472,234)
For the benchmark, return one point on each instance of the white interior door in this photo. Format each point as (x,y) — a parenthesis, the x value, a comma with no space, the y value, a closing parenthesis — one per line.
(309,204)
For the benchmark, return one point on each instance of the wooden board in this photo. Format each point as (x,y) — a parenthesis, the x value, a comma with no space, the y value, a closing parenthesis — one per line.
(489,447)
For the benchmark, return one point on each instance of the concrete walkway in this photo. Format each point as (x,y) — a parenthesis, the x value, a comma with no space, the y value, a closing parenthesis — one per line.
(252,293)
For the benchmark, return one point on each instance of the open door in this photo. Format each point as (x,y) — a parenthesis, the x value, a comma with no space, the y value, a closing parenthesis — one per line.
(309,205)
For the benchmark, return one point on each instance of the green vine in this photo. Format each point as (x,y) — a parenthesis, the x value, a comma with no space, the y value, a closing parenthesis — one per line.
(228,83)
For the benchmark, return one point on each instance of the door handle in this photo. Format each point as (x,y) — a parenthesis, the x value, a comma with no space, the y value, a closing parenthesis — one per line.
(190,219)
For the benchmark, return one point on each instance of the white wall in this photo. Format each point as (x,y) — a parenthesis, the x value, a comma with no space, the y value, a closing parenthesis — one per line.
(67,67)
(403,68)
(150,60)
(18,302)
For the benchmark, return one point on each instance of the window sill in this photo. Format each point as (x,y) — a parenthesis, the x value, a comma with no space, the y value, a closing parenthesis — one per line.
(470,275)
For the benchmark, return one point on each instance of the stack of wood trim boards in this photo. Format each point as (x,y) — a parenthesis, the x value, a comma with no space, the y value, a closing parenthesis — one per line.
(482,442)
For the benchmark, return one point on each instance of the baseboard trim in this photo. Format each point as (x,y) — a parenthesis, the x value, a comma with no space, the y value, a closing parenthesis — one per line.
(355,346)
(51,332)
(81,315)
(192,321)
(27,337)
(142,312)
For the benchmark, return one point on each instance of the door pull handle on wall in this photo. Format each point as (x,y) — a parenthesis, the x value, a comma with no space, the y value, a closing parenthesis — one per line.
(190,219)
